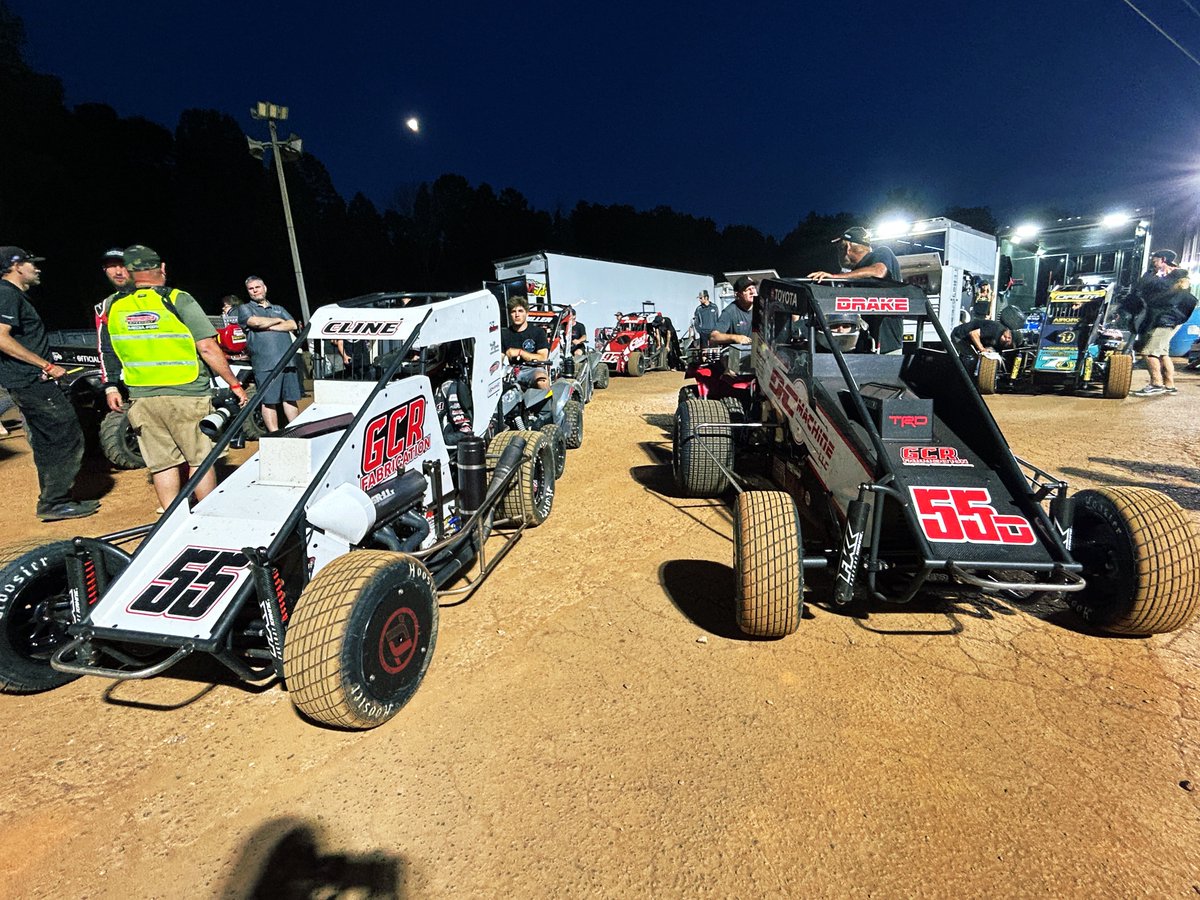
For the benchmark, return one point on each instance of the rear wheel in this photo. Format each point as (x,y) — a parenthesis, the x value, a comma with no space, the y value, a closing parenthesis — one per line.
(700,452)
(573,424)
(119,442)
(35,610)
(361,638)
(531,497)
(1119,376)
(558,443)
(1139,551)
(635,366)
(255,427)
(986,379)
(768,563)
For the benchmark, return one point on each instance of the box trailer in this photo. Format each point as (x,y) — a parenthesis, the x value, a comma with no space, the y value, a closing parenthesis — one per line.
(599,289)
(945,259)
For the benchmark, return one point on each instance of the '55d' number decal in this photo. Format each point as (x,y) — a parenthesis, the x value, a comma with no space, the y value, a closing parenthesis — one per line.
(192,585)
(957,515)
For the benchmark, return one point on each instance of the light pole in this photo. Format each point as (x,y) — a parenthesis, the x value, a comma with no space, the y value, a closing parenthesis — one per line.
(289,149)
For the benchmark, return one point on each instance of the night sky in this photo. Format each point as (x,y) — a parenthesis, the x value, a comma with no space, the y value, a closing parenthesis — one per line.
(749,113)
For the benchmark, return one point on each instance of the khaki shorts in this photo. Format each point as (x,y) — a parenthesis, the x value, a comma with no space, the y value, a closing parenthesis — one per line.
(169,430)
(1159,341)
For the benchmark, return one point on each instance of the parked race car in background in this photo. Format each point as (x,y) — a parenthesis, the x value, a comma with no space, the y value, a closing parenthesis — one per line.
(639,343)
(904,480)
(1074,344)
(585,368)
(322,558)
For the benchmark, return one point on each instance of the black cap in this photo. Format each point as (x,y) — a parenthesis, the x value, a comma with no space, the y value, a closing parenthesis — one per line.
(855,235)
(116,254)
(742,283)
(14,256)
(1166,255)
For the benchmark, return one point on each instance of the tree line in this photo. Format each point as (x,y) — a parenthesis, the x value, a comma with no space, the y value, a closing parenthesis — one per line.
(81,179)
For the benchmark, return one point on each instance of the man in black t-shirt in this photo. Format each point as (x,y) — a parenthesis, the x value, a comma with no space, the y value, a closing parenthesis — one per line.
(980,335)
(51,425)
(525,343)
(863,261)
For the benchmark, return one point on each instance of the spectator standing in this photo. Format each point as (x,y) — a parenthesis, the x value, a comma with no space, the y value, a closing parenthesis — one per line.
(863,261)
(704,319)
(26,371)
(269,328)
(163,345)
(1165,293)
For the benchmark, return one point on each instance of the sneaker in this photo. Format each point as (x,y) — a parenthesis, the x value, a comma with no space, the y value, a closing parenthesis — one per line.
(1150,390)
(1171,390)
(71,509)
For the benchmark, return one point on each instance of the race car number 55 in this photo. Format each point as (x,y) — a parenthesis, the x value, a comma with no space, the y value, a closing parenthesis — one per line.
(960,515)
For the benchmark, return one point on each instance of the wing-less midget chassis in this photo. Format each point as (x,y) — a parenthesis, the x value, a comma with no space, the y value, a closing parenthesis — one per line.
(321,559)
(903,479)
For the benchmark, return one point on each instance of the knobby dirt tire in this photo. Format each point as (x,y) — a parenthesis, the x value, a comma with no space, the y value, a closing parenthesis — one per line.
(530,498)
(1119,376)
(361,638)
(1141,558)
(635,366)
(35,611)
(558,443)
(602,376)
(573,424)
(697,452)
(988,372)
(768,563)
(118,441)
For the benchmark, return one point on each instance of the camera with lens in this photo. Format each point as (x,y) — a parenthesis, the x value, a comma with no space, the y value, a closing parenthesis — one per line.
(225,407)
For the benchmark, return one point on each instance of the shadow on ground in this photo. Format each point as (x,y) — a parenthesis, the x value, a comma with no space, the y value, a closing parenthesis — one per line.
(285,859)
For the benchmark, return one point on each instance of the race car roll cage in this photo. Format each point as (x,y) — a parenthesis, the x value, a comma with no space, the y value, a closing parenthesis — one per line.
(1029,485)
(446,559)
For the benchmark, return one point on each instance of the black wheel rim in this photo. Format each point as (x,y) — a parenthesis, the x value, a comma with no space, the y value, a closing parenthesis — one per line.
(37,620)
(396,643)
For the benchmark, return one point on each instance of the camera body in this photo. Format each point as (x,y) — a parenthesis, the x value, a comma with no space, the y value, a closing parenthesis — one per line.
(225,407)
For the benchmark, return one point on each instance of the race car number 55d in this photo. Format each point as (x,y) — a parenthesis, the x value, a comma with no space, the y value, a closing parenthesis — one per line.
(960,515)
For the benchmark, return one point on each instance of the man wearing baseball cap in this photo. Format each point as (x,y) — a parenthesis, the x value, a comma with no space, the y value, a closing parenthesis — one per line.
(863,261)
(159,341)
(733,324)
(31,378)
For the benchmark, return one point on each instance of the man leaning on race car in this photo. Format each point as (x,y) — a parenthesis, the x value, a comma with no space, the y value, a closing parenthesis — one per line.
(979,336)
(863,261)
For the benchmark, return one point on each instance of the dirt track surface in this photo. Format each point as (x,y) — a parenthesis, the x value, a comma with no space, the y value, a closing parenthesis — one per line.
(593,725)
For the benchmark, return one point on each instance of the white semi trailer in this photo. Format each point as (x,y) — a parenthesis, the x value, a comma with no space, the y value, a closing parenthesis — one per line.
(600,289)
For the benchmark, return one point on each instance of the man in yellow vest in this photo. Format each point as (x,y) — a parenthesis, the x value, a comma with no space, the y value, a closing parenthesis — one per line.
(159,341)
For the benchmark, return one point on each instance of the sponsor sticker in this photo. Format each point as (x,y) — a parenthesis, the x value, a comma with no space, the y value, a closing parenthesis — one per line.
(392,440)
(870,304)
(932,456)
(361,329)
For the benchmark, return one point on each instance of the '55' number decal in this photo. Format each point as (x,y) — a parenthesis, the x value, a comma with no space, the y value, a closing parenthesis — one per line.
(965,515)
(191,585)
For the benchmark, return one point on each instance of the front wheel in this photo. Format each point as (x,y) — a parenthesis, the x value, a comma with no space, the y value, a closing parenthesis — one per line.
(361,638)
(1119,376)
(1139,552)
(768,562)
(35,611)
(602,376)
(988,371)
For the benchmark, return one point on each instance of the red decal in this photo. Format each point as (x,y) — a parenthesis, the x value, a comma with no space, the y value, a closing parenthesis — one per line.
(957,515)
(870,304)
(932,456)
(392,440)
(909,421)
(398,641)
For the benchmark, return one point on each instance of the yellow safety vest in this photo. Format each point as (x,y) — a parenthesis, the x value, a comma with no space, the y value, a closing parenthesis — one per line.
(154,346)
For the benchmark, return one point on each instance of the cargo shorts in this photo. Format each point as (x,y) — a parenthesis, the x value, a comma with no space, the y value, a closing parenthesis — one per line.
(1159,341)
(169,430)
